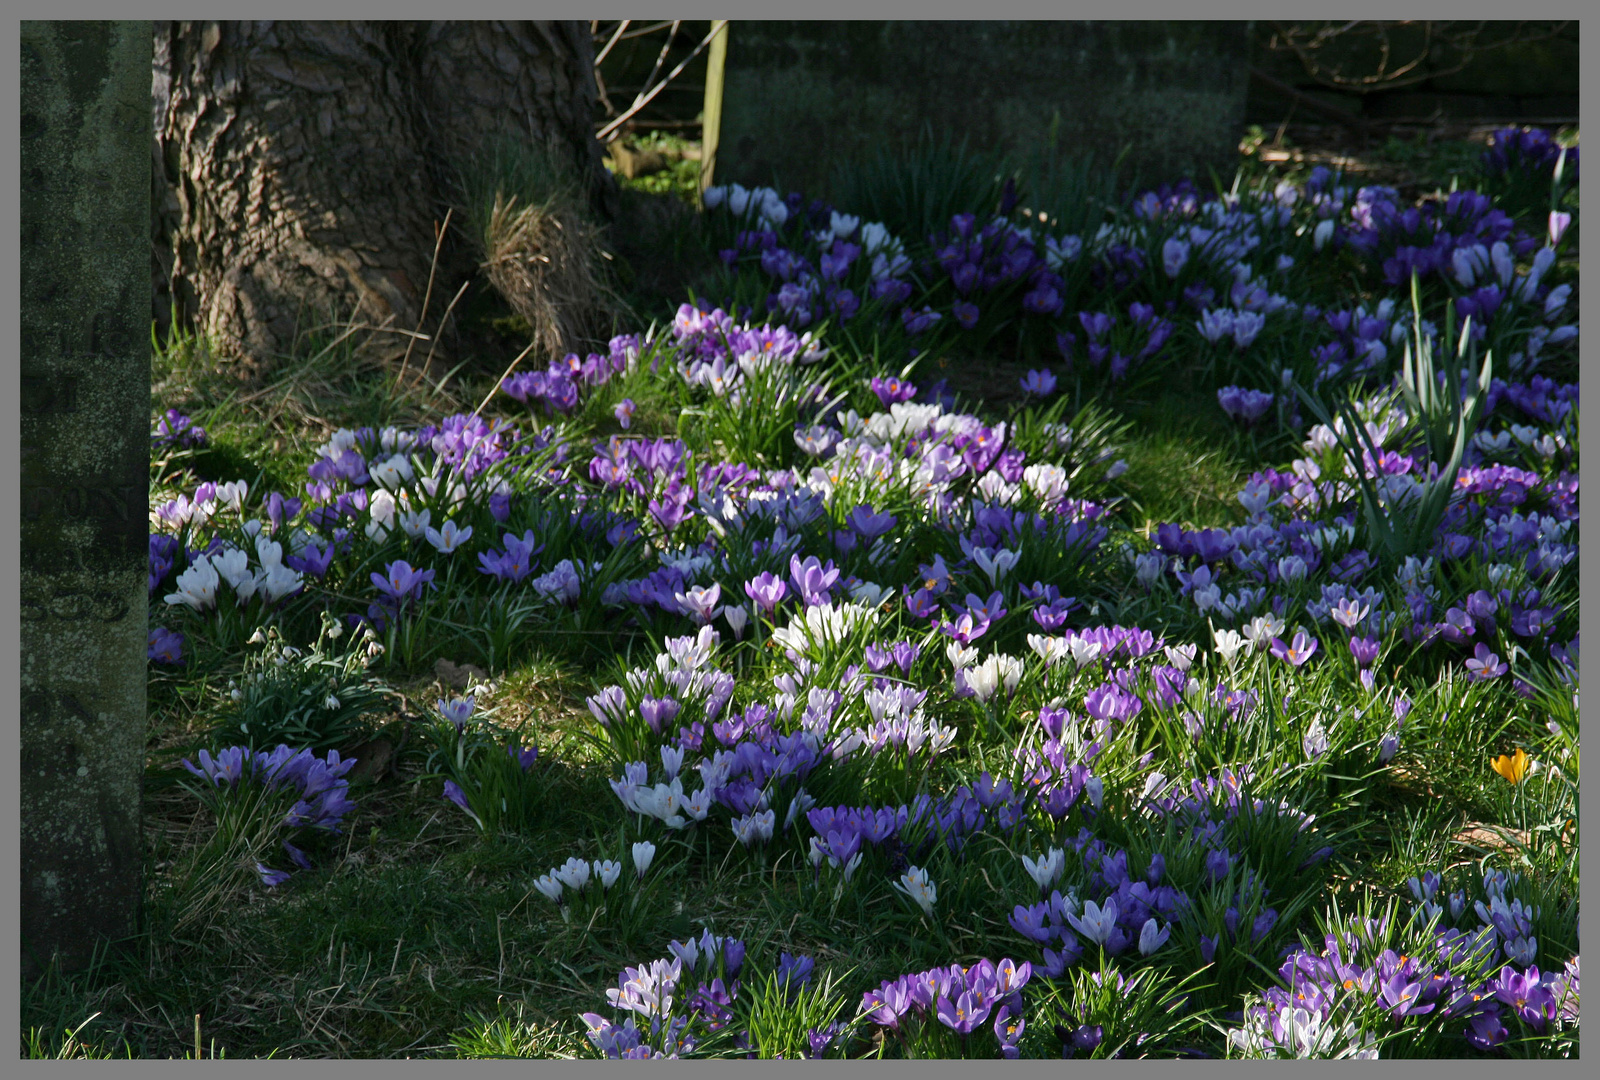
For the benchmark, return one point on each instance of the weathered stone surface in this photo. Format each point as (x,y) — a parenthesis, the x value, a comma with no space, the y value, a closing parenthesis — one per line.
(802,96)
(85,422)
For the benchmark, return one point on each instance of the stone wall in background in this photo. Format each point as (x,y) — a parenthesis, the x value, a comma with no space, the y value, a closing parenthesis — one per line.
(84,412)
(802,96)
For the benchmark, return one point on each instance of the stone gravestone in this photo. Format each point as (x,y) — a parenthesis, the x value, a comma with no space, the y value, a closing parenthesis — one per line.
(800,97)
(85,424)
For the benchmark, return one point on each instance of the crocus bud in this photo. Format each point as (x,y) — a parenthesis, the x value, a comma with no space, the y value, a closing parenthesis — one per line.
(643,852)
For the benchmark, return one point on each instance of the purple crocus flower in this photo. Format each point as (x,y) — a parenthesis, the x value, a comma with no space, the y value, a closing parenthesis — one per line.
(886,1005)
(892,390)
(918,321)
(299,857)
(1033,923)
(1526,993)
(793,972)
(670,510)
(1365,651)
(271,878)
(1174,254)
(1096,323)
(905,654)
(523,757)
(1039,383)
(1217,864)
(870,525)
(923,603)
(1485,1030)
(657,712)
(165,646)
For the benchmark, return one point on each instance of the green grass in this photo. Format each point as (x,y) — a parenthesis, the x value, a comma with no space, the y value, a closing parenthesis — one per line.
(416,936)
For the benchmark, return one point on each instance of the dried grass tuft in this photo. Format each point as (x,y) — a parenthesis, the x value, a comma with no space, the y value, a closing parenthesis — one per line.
(544,259)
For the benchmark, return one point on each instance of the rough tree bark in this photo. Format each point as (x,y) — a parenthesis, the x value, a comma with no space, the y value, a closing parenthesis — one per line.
(302,168)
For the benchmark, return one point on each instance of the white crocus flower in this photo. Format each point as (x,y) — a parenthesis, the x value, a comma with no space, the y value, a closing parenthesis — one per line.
(392,473)
(381,508)
(1049,649)
(197,586)
(1228,644)
(574,874)
(643,852)
(915,884)
(550,886)
(1180,656)
(1047,870)
(960,656)
(1083,652)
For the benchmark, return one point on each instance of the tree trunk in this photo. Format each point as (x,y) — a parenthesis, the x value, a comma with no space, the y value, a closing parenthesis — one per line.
(303,168)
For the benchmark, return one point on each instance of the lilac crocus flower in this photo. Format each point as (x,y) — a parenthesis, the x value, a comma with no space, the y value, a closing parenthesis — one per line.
(624,412)
(1247,325)
(1388,747)
(457,710)
(1097,923)
(1297,651)
(1214,325)
(1174,254)
(812,579)
(1151,937)
(400,581)
(1483,664)
(767,590)
(699,603)
(1559,222)
(271,878)
(607,705)
(453,792)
